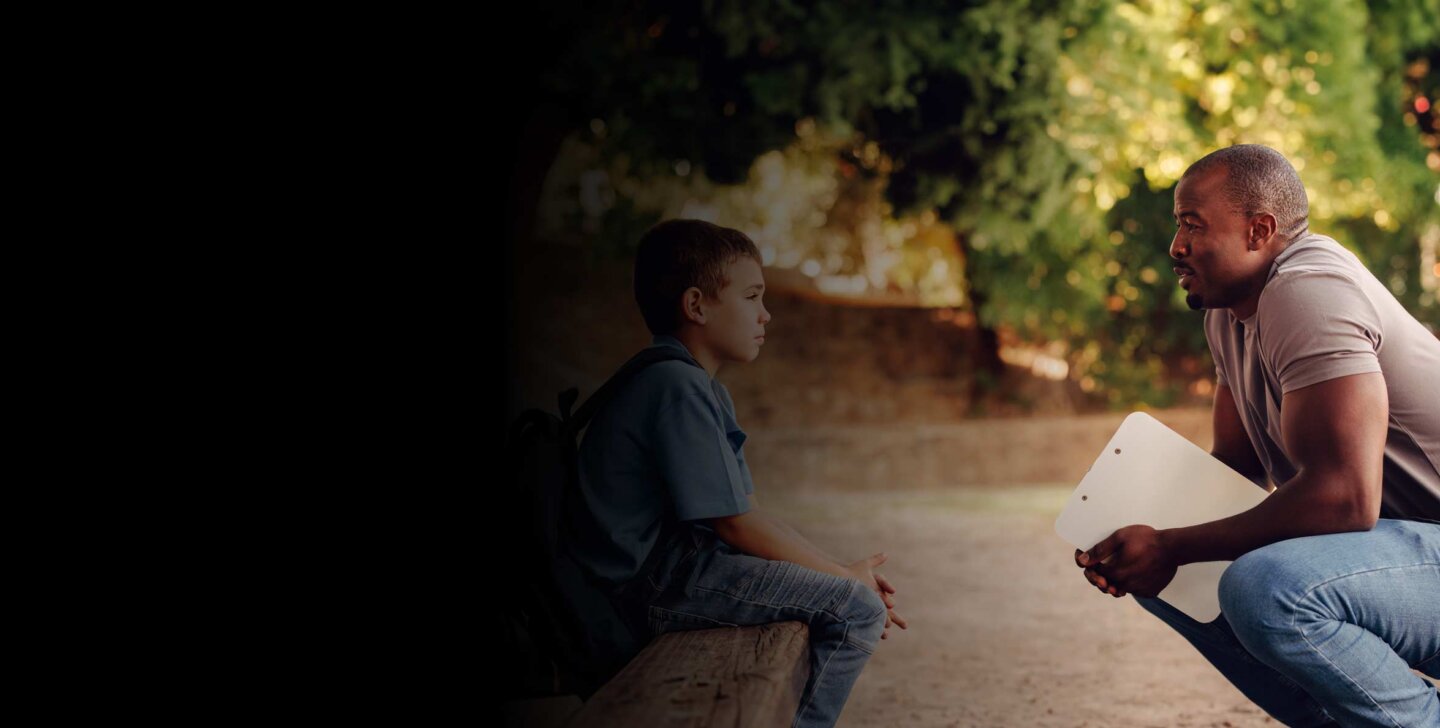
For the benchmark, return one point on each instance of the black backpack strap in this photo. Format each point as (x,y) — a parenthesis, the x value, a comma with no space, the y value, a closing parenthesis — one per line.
(646,357)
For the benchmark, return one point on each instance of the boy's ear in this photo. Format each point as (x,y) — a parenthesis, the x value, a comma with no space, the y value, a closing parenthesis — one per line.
(692,305)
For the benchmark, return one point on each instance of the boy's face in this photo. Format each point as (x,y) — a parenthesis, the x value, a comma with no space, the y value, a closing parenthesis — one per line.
(735,321)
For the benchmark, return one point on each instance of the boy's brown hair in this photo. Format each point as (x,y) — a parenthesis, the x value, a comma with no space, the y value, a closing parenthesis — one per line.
(677,254)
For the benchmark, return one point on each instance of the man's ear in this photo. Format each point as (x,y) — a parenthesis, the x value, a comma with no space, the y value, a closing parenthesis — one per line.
(692,305)
(1262,230)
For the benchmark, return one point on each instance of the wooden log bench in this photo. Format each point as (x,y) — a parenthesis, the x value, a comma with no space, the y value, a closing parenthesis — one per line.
(727,677)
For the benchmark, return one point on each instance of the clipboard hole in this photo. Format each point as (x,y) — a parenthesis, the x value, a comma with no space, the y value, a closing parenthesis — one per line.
(1084,497)
(1117,451)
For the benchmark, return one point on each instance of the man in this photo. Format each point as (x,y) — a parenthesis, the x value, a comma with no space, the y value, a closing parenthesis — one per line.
(1328,386)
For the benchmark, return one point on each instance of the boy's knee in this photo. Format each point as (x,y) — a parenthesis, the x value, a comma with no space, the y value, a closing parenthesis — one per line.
(864,614)
(866,604)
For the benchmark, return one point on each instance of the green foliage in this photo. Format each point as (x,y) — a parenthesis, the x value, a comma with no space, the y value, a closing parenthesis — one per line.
(1048,135)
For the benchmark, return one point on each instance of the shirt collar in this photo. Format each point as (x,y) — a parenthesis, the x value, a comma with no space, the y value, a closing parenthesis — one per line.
(671,341)
(1309,239)
(667,340)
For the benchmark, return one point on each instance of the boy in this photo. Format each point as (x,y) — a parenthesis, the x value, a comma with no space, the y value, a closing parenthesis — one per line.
(664,457)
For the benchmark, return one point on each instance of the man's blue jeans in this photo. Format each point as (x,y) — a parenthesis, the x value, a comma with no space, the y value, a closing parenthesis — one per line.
(1323,630)
(714,585)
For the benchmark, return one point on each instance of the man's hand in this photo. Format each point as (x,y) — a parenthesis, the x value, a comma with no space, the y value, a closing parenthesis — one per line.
(864,572)
(1092,575)
(1134,560)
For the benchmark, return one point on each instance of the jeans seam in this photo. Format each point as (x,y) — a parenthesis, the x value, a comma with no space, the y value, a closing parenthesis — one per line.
(837,617)
(1340,670)
(699,617)
(877,615)
(809,612)
(820,675)
(857,645)
(1311,589)
(1307,596)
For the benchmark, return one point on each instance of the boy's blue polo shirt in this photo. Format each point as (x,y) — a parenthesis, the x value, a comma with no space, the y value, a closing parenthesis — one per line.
(668,436)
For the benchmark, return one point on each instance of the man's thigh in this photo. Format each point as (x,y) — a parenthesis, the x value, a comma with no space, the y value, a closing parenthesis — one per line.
(1386,580)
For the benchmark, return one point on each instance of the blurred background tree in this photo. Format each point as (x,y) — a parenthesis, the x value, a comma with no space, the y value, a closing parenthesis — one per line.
(1012,161)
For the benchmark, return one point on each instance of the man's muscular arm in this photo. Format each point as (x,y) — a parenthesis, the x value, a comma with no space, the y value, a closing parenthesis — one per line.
(1232,447)
(1335,436)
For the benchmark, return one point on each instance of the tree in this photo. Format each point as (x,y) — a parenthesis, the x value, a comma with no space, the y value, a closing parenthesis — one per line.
(1047,135)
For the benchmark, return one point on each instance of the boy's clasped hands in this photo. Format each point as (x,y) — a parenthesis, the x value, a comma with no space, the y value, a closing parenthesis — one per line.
(865,573)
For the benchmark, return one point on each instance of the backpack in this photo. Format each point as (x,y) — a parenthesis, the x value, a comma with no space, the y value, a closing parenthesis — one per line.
(564,633)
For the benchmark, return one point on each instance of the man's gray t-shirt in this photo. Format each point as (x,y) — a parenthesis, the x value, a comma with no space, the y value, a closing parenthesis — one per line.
(1322,315)
(667,440)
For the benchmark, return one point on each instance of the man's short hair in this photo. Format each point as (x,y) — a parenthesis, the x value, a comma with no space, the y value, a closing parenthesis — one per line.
(1261,179)
(677,254)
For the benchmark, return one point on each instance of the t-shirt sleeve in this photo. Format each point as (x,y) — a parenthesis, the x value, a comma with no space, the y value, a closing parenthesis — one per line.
(1316,326)
(738,438)
(701,471)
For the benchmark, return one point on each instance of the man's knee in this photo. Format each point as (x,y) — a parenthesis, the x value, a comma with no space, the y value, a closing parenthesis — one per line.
(1256,598)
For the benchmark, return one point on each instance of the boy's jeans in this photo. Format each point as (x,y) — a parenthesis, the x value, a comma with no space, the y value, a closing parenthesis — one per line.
(1323,630)
(715,585)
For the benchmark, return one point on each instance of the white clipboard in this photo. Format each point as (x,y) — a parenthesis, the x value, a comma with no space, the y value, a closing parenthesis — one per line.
(1149,474)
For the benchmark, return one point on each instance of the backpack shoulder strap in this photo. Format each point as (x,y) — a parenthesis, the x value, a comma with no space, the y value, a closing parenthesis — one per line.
(646,357)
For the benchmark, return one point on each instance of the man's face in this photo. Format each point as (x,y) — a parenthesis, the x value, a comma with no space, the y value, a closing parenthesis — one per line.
(735,321)
(1211,245)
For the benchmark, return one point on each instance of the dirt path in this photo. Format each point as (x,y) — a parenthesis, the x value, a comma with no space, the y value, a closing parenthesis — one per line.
(1004,630)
